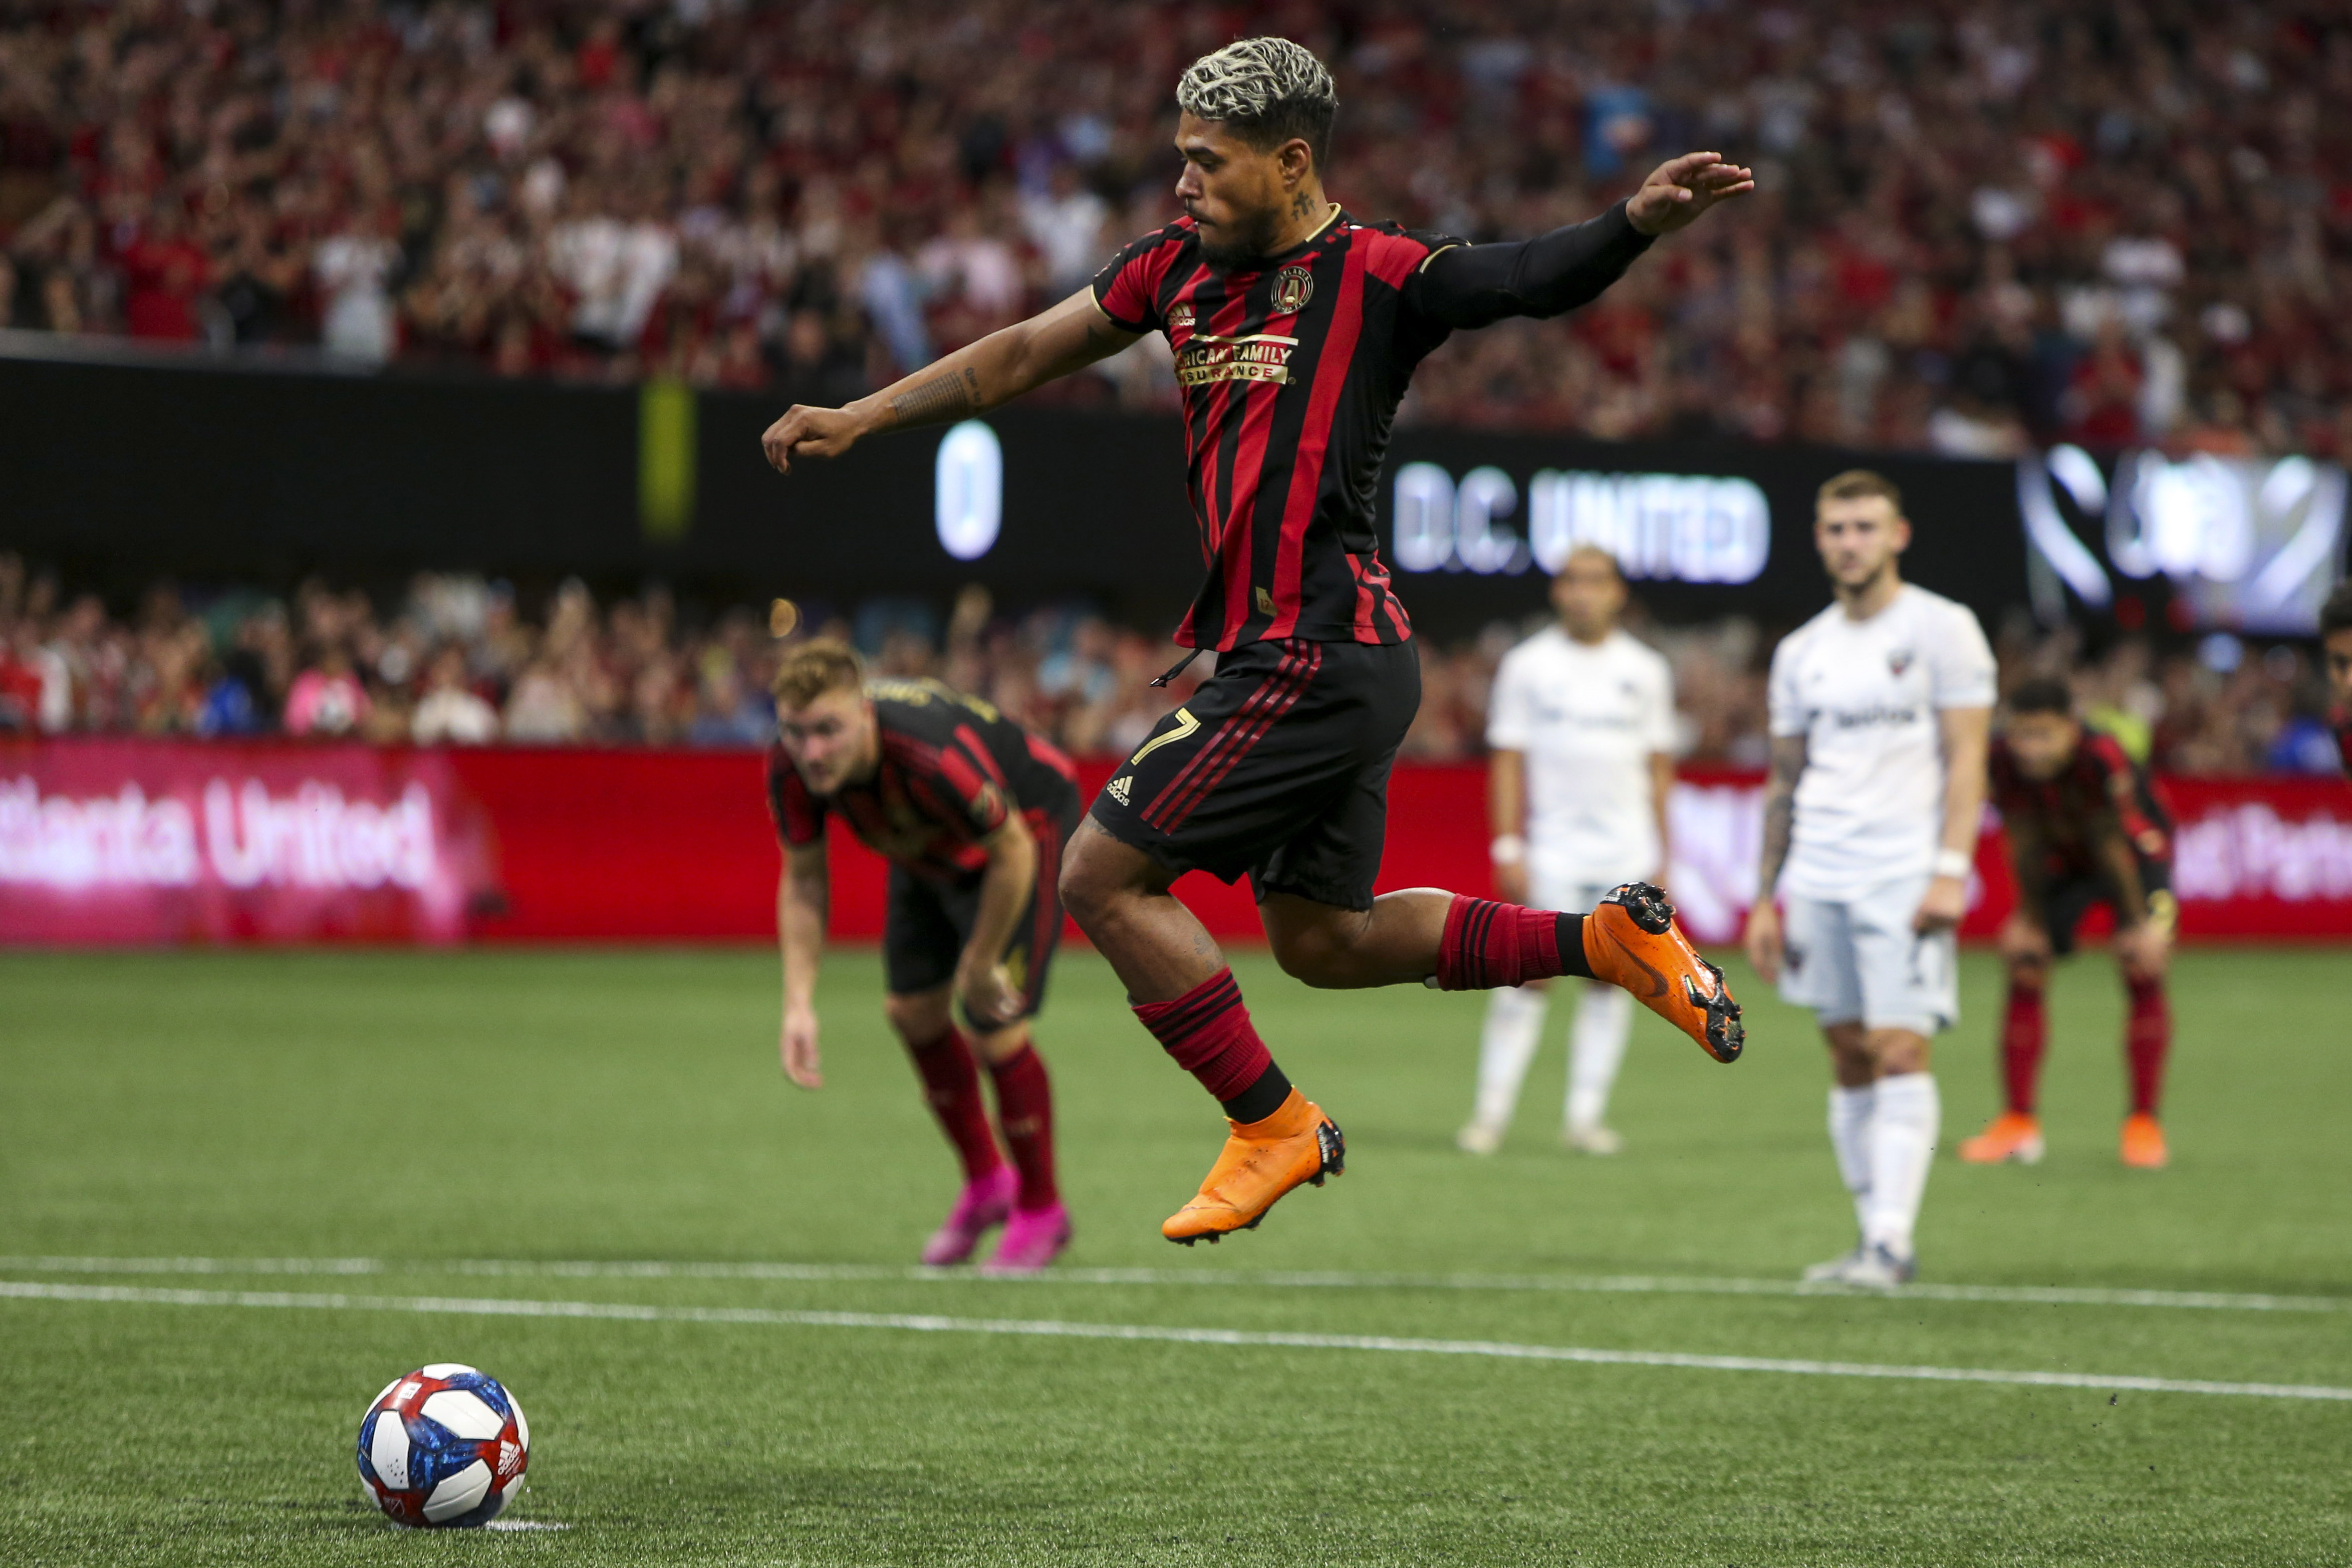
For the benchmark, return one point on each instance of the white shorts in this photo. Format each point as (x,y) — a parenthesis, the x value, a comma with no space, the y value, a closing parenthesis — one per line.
(1859,960)
(1574,890)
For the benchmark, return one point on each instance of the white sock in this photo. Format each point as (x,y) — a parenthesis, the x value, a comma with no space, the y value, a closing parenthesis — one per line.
(1902,1147)
(1596,1045)
(1515,1021)
(1850,1118)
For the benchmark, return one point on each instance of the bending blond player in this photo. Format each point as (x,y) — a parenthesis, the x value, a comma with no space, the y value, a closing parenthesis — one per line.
(1581,731)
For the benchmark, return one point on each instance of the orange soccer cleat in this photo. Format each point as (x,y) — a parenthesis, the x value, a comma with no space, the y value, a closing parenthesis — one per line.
(2013,1136)
(1262,1160)
(2144,1142)
(1631,940)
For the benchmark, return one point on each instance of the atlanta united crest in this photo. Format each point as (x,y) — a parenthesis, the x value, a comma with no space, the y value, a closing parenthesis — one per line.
(1293,286)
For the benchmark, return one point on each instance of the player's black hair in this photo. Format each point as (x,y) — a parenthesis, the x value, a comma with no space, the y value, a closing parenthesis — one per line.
(2336,616)
(2043,694)
(1268,90)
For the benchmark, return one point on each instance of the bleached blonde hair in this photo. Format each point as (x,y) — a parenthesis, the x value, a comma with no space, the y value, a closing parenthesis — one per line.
(1269,89)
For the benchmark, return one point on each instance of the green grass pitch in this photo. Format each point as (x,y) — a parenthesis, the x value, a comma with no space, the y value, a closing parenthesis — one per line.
(426,1108)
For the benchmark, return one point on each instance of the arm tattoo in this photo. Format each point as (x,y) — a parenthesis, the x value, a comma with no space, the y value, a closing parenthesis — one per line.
(941,398)
(1780,810)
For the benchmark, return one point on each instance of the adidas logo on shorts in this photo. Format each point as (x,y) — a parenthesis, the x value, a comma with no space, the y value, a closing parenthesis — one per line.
(1117,789)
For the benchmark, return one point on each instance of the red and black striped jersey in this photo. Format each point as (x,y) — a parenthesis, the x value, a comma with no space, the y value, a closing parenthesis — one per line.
(2099,794)
(1291,369)
(951,770)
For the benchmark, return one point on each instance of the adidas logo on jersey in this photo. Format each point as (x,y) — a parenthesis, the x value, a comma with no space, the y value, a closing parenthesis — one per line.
(1118,788)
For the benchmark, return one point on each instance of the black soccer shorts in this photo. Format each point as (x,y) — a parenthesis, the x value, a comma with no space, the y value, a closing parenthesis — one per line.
(2065,902)
(929,923)
(1279,766)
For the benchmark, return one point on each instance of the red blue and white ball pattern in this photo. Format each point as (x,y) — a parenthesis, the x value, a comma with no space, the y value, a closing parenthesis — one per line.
(444,1447)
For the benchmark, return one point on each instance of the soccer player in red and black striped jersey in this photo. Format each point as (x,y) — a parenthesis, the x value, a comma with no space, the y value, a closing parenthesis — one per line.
(1296,327)
(971,811)
(2336,652)
(2085,827)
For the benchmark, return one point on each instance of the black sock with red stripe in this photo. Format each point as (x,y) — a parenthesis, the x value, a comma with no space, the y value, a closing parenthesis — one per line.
(1209,1033)
(1486,945)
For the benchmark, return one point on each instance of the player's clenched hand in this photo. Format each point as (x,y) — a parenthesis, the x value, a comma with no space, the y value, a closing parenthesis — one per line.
(1947,902)
(1766,947)
(1680,189)
(797,1045)
(987,993)
(805,432)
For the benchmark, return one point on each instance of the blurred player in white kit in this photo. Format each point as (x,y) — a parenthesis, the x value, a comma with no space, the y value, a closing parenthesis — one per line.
(1880,709)
(1581,728)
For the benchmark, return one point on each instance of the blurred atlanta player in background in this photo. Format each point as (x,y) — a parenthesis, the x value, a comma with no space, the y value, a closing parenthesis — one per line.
(971,811)
(1880,705)
(1579,734)
(2084,827)
(1295,328)
(2336,649)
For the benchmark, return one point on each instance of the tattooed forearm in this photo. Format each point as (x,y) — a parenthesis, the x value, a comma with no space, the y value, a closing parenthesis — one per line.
(1780,809)
(941,398)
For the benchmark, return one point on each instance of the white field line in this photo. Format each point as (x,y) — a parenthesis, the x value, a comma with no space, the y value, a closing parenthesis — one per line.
(1053,1329)
(1599,1284)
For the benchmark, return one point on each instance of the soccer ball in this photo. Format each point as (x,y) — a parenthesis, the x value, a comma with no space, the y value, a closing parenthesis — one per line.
(444,1447)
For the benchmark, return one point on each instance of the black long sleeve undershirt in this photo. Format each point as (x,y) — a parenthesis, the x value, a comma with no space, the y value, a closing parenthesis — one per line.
(1478,285)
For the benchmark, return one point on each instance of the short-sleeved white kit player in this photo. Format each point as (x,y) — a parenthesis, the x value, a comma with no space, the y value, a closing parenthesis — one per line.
(1867,696)
(1587,717)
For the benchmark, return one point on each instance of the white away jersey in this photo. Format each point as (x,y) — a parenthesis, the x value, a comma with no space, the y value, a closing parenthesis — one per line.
(1587,716)
(1865,696)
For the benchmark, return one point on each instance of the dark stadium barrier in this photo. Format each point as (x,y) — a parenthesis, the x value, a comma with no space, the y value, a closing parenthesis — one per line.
(116,841)
(121,473)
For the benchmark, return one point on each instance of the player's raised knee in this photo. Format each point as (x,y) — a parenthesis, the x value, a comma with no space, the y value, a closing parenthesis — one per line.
(1320,952)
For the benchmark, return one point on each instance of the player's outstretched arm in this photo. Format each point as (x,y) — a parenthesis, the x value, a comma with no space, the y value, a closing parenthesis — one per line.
(975,379)
(801,895)
(1478,285)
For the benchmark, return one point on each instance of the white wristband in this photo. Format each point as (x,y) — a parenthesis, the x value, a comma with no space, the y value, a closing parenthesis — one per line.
(1953,863)
(1508,849)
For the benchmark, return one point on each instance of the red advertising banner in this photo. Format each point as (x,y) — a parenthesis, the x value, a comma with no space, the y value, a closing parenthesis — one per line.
(129,841)
(111,841)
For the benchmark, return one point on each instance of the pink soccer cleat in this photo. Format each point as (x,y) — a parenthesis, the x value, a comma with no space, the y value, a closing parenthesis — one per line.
(984,1205)
(1032,1239)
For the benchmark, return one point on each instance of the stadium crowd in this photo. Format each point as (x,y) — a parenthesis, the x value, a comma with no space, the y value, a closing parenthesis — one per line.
(459,662)
(1978,224)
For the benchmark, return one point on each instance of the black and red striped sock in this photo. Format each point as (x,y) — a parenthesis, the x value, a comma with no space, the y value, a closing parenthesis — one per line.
(2147,1040)
(1024,1115)
(951,1086)
(1208,1031)
(2024,1030)
(1486,945)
